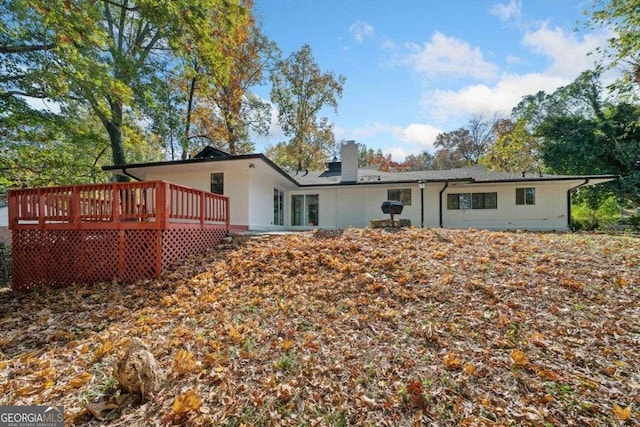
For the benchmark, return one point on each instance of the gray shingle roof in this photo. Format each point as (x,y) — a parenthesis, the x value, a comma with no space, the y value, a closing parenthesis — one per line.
(475,174)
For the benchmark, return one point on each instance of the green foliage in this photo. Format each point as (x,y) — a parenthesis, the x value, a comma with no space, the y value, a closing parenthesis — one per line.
(634,221)
(622,19)
(587,217)
(581,133)
(515,149)
(110,57)
(301,90)
(5,263)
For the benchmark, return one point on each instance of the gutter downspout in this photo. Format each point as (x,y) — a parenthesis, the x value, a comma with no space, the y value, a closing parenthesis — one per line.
(124,171)
(569,223)
(446,184)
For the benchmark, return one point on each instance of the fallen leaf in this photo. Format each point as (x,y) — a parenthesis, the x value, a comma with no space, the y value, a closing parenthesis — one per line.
(287,344)
(518,357)
(451,361)
(101,410)
(186,402)
(184,361)
(623,414)
(80,380)
(103,350)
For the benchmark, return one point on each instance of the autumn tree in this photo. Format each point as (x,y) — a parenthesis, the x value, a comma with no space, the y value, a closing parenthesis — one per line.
(300,90)
(237,110)
(623,50)
(515,149)
(105,54)
(464,146)
(418,162)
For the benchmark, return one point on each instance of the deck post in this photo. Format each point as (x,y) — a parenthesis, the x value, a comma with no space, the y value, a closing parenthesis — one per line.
(203,210)
(41,214)
(13,209)
(122,254)
(227,213)
(75,206)
(161,197)
(115,206)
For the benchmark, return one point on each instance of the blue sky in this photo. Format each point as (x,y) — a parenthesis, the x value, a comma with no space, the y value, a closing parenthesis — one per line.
(416,68)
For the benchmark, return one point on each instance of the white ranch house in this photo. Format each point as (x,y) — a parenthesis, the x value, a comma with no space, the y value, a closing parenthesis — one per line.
(263,197)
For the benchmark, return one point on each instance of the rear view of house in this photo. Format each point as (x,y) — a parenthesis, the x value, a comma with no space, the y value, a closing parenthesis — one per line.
(265,197)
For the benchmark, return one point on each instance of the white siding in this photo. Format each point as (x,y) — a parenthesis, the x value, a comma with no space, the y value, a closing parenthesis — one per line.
(548,213)
(248,183)
(356,205)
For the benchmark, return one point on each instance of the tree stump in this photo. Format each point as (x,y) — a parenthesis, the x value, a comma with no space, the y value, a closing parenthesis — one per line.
(137,372)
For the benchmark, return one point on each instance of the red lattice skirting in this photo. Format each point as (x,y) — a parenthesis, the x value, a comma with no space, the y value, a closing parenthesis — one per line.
(64,257)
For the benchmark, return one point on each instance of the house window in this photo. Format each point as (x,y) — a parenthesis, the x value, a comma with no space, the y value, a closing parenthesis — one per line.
(459,201)
(217,183)
(465,201)
(305,209)
(484,201)
(403,195)
(278,207)
(525,196)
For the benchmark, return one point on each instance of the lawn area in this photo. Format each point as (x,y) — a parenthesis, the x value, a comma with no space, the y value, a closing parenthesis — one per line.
(361,327)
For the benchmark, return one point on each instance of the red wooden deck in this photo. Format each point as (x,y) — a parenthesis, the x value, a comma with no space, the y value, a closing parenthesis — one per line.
(122,231)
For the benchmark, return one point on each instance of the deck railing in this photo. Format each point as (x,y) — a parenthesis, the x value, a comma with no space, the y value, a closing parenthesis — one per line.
(142,205)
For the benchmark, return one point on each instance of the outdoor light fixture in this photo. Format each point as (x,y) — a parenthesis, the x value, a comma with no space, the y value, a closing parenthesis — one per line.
(421,184)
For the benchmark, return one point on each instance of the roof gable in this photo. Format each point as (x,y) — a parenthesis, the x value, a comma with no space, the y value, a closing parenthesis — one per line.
(209,152)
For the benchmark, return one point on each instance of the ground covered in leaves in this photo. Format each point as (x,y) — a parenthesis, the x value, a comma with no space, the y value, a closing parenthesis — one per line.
(361,327)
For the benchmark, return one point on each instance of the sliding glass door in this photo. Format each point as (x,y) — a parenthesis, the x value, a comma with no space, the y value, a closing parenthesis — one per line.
(305,209)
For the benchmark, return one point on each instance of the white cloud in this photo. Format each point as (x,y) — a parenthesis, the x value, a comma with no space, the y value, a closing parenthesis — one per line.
(417,133)
(566,52)
(412,139)
(488,100)
(451,57)
(508,11)
(566,57)
(361,30)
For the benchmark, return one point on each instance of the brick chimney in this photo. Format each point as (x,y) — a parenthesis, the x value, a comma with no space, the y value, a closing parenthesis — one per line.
(349,157)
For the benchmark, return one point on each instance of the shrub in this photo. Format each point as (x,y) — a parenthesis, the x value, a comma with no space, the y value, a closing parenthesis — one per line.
(5,263)
(634,221)
(606,215)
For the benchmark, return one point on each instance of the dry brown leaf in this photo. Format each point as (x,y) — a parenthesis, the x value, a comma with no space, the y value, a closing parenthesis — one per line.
(100,410)
(518,357)
(184,361)
(451,361)
(469,368)
(350,327)
(623,414)
(80,380)
(287,345)
(102,351)
(186,402)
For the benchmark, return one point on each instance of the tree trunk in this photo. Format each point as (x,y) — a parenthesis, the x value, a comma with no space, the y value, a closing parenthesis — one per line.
(187,128)
(231,134)
(114,128)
